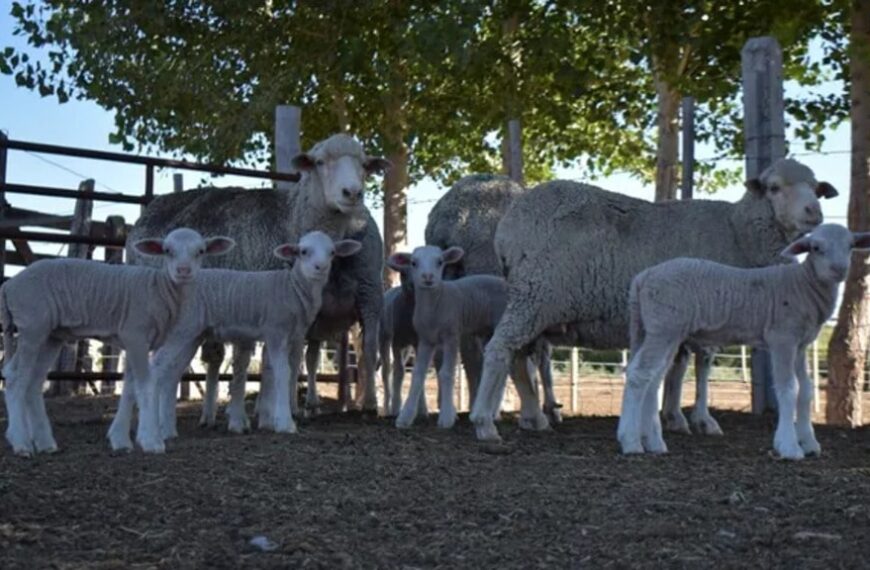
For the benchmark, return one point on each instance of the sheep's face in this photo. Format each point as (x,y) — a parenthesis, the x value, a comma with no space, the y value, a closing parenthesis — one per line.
(426,264)
(830,249)
(183,250)
(314,254)
(341,166)
(793,192)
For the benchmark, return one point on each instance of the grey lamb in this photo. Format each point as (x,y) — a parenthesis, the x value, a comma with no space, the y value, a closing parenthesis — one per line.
(570,251)
(781,308)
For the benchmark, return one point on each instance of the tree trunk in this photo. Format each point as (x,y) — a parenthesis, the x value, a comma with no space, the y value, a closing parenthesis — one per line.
(395,188)
(667,152)
(848,348)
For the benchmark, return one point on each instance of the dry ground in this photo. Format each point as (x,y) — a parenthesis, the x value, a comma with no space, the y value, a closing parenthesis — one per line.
(354,492)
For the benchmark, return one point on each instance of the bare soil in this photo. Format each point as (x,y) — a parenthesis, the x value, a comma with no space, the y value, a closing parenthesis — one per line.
(351,492)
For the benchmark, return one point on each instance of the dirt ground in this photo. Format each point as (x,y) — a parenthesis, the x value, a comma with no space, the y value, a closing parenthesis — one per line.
(352,492)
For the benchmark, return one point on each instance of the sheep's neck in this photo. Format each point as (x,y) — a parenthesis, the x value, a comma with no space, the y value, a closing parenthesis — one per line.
(170,295)
(427,304)
(822,293)
(309,293)
(758,233)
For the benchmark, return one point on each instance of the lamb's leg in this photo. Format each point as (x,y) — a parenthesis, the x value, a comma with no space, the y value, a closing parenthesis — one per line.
(396,371)
(384,352)
(531,416)
(148,431)
(518,327)
(651,427)
(238,418)
(40,425)
(418,385)
(675,420)
(785,440)
(279,360)
(266,397)
(471,351)
(552,408)
(805,433)
(702,421)
(312,361)
(168,366)
(20,375)
(119,431)
(212,356)
(649,361)
(446,381)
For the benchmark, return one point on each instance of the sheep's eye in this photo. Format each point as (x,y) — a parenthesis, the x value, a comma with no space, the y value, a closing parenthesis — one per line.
(167,251)
(413,263)
(319,162)
(815,247)
(304,251)
(440,263)
(202,251)
(774,188)
(332,253)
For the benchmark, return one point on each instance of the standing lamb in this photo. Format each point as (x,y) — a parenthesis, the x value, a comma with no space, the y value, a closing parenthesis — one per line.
(443,312)
(59,300)
(467,217)
(781,308)
(329,197)
(570,251)
(276,307)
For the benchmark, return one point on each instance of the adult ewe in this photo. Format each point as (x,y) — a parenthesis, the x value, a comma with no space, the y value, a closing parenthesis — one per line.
(570,251)
(329,197)
(467,217)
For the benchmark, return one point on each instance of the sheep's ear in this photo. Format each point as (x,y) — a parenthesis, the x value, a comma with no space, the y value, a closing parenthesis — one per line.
(303,162)
(399,262)
(149,246)
(452,254)
(347,247)
(286,251)
(797,247)
(825,190)
(755,186)
(219,245)
(376,164)
(860,240)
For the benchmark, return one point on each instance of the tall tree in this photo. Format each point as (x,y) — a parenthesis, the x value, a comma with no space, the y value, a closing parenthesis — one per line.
(847,352)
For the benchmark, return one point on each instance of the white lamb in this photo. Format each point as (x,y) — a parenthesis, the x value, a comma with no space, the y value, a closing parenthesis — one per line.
(443,312)
(59,300)
(781,308)
(276,307)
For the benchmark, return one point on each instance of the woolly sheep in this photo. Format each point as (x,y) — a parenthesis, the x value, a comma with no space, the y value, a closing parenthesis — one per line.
(59,300)
(467,216)
(781,308)
(329,197)
(443,312)
(276,307)
(570,250)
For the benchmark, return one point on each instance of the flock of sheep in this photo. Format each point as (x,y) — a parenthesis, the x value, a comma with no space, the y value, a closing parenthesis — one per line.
(507,272)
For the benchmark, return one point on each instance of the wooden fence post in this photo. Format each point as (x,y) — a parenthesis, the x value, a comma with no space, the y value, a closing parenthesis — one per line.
(3,155)
(69,359)
(288,124)
(764,135)
(817,407)
(575,380)
(116,228)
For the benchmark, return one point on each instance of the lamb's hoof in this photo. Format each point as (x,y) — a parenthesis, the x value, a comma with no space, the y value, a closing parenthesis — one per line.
(239,425)
(169,433)
(446,421)
(312,410)
(151,445)
(654,444)
(120,443)
(631,446)
(207,422)
(554,414)
(706,426)
(285,426)
(538,422)
(403,422)
(811,447)
(790,451)
(266,424)
(486,431)
(23,452)
(676,422)
(48,446)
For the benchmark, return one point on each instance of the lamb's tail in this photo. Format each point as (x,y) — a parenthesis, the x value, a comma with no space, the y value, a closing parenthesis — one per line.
(635,328)
(8,325)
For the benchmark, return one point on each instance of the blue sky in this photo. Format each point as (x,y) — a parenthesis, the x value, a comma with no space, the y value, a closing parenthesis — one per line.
(26,116)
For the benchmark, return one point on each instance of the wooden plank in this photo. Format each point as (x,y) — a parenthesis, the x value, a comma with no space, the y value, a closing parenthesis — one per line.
(288,125)
(12,217)
(687,183)
(22,247)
